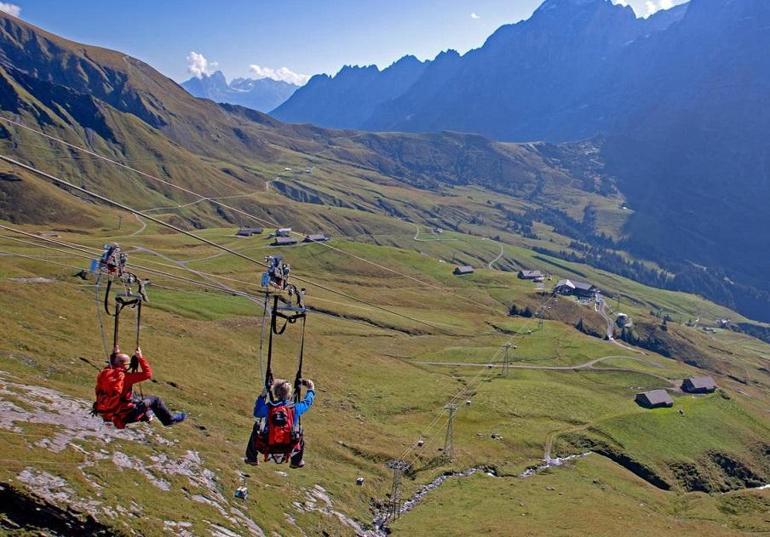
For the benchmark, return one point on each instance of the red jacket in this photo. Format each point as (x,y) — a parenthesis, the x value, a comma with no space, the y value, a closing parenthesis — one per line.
(111,379)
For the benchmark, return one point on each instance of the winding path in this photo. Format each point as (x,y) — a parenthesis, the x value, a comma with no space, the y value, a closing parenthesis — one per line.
(495,260)
(587,366)
(141,229)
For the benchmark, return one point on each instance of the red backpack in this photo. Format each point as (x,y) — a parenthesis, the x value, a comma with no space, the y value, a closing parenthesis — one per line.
(109,389)
(280,426)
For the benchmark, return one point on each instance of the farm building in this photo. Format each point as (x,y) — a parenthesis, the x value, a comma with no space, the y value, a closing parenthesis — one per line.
(284,241)
(318,237)
(283,232)
(699,385)
(535,275)
(463,270)
(579,289)
(654,399)
(248,231)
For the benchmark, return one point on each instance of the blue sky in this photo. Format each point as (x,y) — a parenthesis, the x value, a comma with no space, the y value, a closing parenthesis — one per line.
(304,37)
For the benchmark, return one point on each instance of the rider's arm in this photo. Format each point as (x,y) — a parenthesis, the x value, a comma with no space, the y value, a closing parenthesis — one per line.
(145,374)
(260,407)
(306,403)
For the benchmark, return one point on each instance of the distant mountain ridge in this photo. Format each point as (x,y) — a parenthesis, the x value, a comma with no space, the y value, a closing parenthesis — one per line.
(348,99)
(261,94)
(679,100)
(536,79)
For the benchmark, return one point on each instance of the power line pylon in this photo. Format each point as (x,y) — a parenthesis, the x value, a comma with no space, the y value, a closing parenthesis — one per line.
(507,358)
(448,439)
(399,467)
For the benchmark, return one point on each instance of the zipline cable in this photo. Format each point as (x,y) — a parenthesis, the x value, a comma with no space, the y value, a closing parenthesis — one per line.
(85,253)
(214,201)
(203,239)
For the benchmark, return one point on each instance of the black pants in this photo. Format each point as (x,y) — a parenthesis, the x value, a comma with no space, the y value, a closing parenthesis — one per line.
(256,445)
(150,402)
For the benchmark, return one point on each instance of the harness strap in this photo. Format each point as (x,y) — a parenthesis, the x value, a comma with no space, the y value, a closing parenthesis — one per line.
(269,369)
(298,377)
(107,298)
(118,308)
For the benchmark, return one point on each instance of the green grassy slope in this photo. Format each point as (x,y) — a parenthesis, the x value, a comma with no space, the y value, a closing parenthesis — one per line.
(377,395)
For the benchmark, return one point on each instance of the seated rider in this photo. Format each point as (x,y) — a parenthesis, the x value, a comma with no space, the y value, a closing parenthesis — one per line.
(277,413)
(115,399)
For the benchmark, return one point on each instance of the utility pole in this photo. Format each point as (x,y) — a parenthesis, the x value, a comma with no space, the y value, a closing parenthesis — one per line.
(399,467)
(506,358)
(448,439)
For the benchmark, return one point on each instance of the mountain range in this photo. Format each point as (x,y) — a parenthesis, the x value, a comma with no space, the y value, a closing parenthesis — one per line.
(677,102)
(681,142)
(262,94)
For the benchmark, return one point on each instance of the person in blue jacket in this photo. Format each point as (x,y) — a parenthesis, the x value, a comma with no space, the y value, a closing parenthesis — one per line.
(282,397)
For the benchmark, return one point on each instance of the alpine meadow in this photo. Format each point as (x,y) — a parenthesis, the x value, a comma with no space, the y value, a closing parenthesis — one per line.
(517,290)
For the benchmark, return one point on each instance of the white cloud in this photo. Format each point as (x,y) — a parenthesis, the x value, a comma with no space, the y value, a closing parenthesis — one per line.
(11,9)
(474,16)
(198,65)
(283,73)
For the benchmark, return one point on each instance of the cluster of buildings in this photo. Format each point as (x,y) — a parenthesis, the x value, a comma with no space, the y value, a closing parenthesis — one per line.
(282,236)
(661,398)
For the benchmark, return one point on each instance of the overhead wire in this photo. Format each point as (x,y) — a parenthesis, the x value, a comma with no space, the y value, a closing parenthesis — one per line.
(124,207)
(224,290)
(214,200)
(411,453)
(467,389)
(89,255)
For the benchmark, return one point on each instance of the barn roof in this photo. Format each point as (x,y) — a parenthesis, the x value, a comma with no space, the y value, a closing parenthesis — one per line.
(464,269)
(702,382)
(658,397)
(249,230)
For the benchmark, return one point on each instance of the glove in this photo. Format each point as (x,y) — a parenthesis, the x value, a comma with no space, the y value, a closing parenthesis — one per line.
(134,366)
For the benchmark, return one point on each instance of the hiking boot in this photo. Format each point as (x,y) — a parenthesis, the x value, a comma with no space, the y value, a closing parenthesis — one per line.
(251,462)
(178,417)
(299,464)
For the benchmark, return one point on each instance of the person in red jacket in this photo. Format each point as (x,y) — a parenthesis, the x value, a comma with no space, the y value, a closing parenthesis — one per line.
(115,398)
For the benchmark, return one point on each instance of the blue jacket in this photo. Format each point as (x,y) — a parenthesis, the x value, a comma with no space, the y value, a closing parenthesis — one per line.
(261,405)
